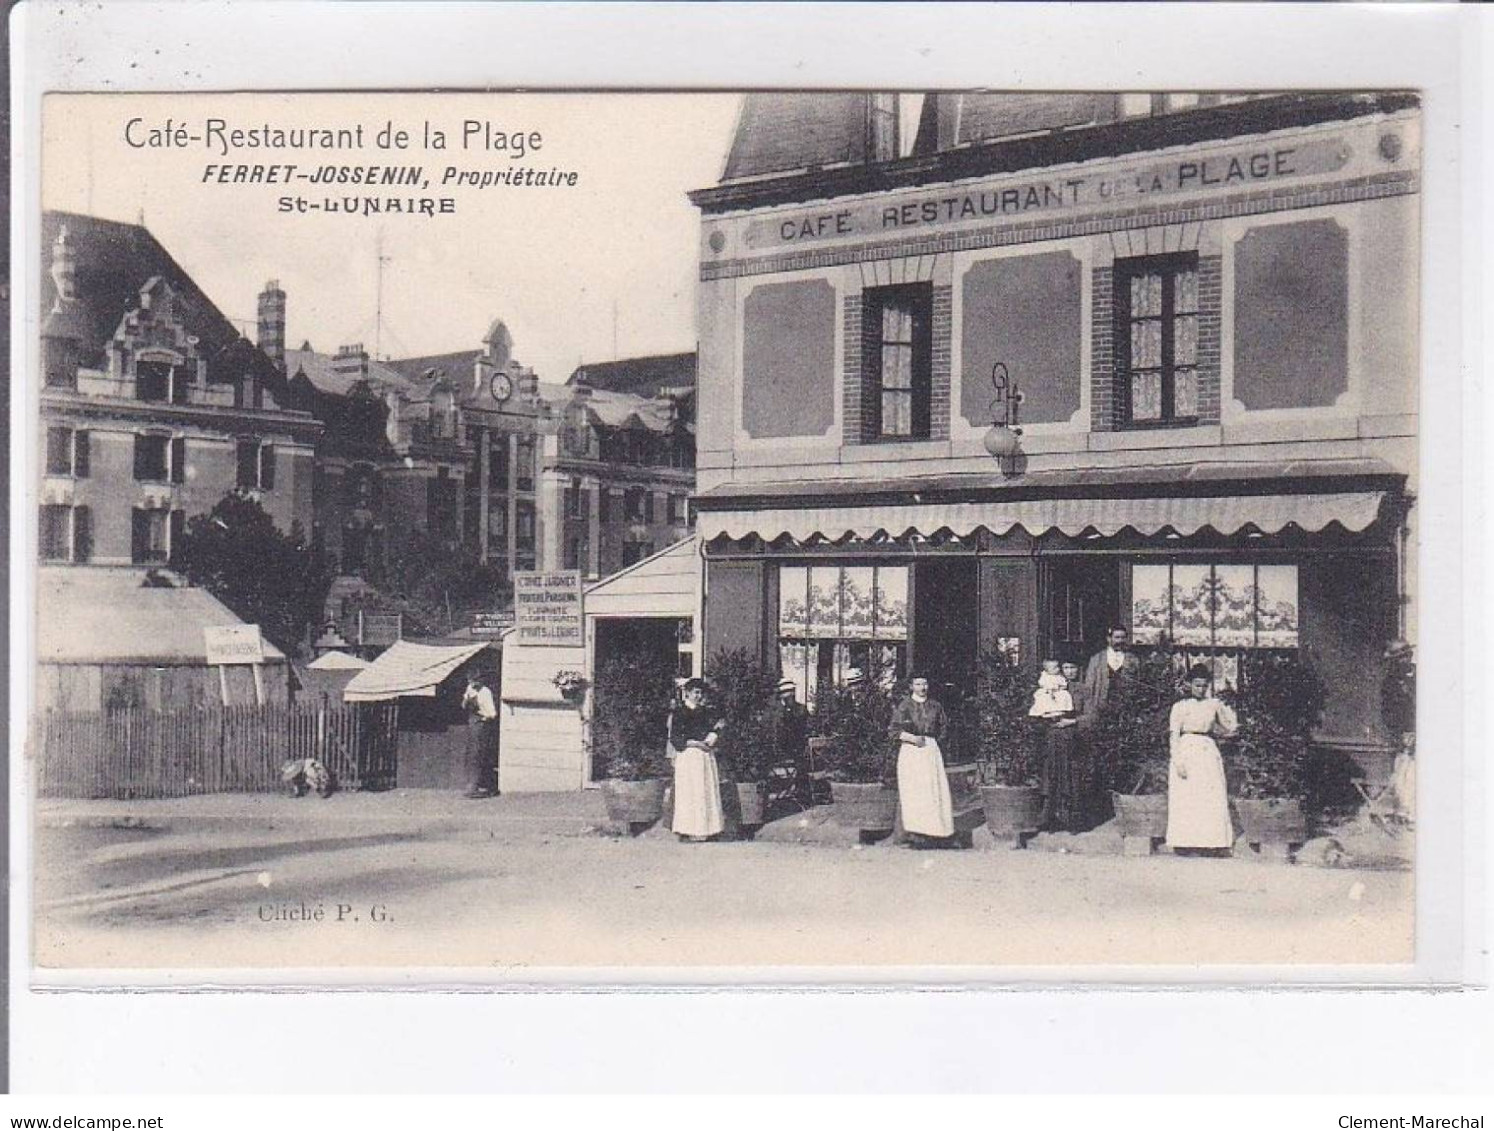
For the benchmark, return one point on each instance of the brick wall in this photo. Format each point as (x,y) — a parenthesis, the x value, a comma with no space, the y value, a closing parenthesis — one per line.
(1210,303)
(853,334)
(942,326)
(1102,400)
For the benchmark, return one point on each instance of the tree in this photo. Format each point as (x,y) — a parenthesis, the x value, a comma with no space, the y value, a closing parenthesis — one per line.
(265,576)
(436,582)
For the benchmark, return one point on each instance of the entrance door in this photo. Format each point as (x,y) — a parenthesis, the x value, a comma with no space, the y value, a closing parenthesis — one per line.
(946,626)
(1083,600)
(653,640)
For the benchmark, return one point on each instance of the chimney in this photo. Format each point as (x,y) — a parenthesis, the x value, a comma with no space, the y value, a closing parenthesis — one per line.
(272,323)
(351,361)
(64,268)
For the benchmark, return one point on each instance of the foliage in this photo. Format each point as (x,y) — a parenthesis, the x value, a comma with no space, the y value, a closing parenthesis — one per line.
(1004,740)
(856,720)
(1129,736)
(436,582)
(569,682)
(1278,703)
(631,699)
(743,693)
(266,577)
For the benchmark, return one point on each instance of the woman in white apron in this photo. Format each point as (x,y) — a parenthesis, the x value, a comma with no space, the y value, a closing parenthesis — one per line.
(919,725)
(693,731)
(1197,796)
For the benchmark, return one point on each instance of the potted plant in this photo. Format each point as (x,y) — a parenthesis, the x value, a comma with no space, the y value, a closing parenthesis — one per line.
(571,684)
(857,755)
(1129,742)
(742,692)
(630,718)
(1006,745)
(1278,703)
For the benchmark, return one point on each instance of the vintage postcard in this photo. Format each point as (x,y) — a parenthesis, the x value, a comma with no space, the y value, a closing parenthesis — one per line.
(818,531)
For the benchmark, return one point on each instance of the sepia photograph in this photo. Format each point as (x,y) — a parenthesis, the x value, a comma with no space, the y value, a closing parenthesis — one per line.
(829,531)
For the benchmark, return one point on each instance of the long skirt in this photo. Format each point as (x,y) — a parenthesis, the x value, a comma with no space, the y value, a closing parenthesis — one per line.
(1198,805)
(1070,792)
(697,794)
(923,790)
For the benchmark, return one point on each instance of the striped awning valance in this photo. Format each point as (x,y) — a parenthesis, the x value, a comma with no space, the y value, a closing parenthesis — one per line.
(1226,514)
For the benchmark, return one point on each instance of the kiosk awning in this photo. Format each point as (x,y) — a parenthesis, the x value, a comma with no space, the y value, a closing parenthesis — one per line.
(408,669)
(1226,514)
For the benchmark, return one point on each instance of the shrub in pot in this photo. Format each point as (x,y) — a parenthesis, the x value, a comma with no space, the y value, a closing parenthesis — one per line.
(742,693)
(631,700)
(1130,745)
(1006,743)
(1278,702)
(858,757)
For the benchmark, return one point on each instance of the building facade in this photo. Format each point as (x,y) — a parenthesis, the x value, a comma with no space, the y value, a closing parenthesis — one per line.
(1207,307)
(153,408)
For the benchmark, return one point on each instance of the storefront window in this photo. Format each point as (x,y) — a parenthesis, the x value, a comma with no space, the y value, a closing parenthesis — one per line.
(1215,606)
(840,623)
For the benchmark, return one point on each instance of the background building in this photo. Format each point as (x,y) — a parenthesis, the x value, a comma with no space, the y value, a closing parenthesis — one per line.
(1209,304)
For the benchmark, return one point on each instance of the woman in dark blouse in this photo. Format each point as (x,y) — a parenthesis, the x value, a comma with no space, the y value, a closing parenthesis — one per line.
(693,732)
(919,726)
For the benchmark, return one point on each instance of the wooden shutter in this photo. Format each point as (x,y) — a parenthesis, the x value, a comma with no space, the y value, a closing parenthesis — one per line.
(82,453)
(139,529)
(58,456)
(82,534)
(648,506)
(267,466)
(142,470)
(179,460)
(734,608)
(248,460)
(178,529)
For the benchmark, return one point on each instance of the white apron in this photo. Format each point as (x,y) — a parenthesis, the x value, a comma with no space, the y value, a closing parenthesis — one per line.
(923,790)
(1198,805)
(697,794)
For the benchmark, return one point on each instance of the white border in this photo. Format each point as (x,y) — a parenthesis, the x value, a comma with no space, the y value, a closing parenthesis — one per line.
(1019,1040)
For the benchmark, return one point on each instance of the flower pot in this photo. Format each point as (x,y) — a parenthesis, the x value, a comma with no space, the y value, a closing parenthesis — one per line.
(868,806)
(1012,811)
(752,797)
(1272,820)
(634,802)
(1140,814)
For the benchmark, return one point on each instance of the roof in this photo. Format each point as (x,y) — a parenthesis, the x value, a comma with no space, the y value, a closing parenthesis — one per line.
(1263,477)
(97,616)
(320,371)
(778,132)
(113,262)
(1043,148)
(455,367)
(614,410)
(644,376)
(408,669)
(337,661)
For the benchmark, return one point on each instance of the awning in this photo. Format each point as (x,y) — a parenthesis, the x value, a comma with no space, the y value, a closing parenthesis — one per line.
(337,662)
(1226,514)
(408,669)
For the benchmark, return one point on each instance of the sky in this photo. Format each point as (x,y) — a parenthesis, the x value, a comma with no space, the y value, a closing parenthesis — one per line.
(605,268)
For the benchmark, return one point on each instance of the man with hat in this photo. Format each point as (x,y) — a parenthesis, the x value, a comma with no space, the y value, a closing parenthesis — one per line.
(791,738)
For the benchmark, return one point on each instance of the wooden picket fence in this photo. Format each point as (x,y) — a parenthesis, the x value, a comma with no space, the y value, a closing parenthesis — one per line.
(140,754)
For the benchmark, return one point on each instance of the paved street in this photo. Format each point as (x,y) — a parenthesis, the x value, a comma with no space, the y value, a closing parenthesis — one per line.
(531,881)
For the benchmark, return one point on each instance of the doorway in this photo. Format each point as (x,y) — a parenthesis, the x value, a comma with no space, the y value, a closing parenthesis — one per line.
(1083,599)
(946,626)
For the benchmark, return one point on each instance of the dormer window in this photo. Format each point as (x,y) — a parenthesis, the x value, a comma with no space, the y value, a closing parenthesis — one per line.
(160,382)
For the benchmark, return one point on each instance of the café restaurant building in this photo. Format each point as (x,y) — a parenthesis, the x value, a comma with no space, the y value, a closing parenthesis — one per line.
(1044,363)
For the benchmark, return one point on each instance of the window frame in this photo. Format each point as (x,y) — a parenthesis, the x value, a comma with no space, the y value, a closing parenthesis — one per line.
(1213,563)
(164,439)
(263,450)
(898,643)
(1169,265)
(918,299)
(76,445)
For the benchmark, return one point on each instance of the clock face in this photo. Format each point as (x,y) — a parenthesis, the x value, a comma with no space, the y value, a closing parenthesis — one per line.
(502,388)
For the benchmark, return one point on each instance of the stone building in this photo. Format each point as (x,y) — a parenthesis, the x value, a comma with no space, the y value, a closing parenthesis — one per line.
(1209,307)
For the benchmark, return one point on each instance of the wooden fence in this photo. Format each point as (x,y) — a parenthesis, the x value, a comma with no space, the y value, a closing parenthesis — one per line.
(139,754)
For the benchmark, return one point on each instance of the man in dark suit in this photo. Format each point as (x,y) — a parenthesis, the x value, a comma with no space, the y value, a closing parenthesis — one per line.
(1109,668)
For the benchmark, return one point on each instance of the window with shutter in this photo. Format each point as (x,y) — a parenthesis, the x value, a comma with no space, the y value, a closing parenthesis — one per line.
(151,457)
(179,460)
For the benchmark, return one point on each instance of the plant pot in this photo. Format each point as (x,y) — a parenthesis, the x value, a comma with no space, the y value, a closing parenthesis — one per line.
(868,806)
(1272,820)
(1140,814)
(752,798)
(1012,811)
(634,802)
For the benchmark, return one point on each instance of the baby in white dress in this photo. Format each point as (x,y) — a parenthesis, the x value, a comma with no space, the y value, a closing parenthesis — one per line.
(1051,699)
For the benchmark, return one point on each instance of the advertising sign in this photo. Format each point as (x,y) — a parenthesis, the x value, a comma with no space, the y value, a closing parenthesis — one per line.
(234,644)
(547,607)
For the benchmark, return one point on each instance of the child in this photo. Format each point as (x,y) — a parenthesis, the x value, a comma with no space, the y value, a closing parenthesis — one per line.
(1051,700)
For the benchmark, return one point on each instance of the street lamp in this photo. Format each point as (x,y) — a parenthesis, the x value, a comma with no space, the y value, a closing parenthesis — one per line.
(1004,440)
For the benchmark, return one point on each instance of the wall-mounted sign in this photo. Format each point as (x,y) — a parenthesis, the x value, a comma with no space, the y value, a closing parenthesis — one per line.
(491,624)
(234,644)
(1220,170)
(547,607)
